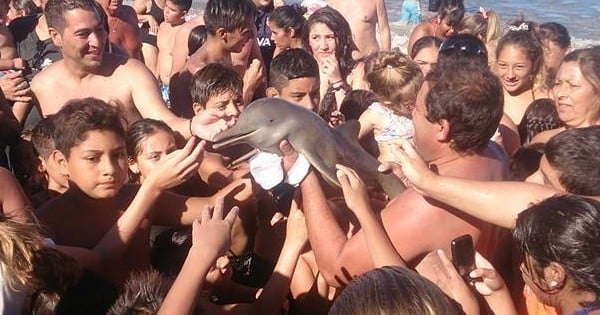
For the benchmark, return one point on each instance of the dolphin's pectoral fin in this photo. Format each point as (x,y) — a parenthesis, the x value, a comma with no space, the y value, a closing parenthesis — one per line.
(349,130)
(326,169)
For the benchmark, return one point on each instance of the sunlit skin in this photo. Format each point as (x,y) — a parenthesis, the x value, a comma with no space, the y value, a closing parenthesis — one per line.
(173,14)
(302,91)
(82,39)
(426,58)
(152,150)
(237,39)
(322,42)
(515,70)
(98,164)
(230,103)
(577,103)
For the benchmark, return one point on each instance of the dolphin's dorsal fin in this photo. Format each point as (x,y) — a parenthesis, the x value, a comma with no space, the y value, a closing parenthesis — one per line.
(349,129)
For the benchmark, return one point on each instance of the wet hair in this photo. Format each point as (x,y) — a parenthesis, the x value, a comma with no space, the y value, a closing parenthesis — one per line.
(556,33)
(575,153)
(540,115)
(588,60)
(213,80)
(183,5)
(452,10)
(469,96)
(356,102)
(79,116)
(487,27)
(465,47)
(27,6)
(523,34)
(289,17)
(144,293)
(564,230)
(55,11)
(392,290)
(196,39)
(336,22)
(292,64)
(394,77)
(525,161)
(141,130)
(230,15)
(425,42)
(42,137)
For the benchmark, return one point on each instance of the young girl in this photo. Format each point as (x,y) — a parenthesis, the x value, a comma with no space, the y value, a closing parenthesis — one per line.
(520,68)
(484,24)
(396,79)
(286,23)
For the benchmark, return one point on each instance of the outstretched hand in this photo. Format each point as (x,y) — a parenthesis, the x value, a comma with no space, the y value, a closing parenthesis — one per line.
(179,165)
(411,169)
(212,234)
(209,123)
(354,189)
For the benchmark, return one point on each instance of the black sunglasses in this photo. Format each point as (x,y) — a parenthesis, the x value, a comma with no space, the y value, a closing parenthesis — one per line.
(468,47)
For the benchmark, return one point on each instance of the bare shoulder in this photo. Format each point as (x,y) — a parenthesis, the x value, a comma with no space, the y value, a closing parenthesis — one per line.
(545,136)
(47,77)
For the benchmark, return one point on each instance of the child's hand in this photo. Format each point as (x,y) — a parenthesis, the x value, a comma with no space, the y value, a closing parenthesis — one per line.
(296,233)
(209,123)
(18,63)
(331,68)
(153,25)
(336,118)
(491,280)
(254,75)
(355,191)
(212,235)
(413,170)
(178,166)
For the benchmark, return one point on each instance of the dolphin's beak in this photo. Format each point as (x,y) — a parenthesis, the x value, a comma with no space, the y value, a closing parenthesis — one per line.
(227,139)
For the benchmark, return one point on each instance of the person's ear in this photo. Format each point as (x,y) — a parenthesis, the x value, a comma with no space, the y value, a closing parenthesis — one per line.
(442,132)
(56,37)
(292,32)
(133,166)
(61,161)
(221,34)
(554,276)
(272,92)
(197,108)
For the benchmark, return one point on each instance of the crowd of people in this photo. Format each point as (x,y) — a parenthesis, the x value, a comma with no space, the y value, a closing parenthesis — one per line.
(119,195)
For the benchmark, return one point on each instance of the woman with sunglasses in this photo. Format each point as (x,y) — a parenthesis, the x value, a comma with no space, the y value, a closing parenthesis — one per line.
(559,239)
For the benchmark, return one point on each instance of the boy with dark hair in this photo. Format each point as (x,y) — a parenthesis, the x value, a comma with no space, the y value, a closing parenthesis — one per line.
(294,76)
(217,86)
(42,137)
(174,12)
(229,25)
(91,152)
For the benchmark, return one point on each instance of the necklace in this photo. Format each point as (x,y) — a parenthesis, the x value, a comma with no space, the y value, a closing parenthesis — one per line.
(115,27)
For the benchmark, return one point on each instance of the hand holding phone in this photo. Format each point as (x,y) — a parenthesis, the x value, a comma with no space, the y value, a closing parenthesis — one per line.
(463,255)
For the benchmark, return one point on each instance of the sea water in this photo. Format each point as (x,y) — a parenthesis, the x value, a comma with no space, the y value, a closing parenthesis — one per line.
(579,16)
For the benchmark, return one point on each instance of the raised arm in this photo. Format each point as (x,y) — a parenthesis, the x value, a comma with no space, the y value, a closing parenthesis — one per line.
(147,99)
(385,37)
(380,246)
(210,239)
(13,201)
(494,202)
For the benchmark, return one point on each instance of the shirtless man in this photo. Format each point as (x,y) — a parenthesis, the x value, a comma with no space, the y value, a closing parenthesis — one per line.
(452,133)
(364,16)
(86,71)
(123,26)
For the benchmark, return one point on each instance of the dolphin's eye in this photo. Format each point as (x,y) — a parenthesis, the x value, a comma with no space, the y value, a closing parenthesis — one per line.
(270,120)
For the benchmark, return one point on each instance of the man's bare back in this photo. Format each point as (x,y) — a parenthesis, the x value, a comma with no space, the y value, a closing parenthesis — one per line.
(364,16)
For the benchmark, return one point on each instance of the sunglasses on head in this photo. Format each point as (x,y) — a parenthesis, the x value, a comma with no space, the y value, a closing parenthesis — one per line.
(468,47)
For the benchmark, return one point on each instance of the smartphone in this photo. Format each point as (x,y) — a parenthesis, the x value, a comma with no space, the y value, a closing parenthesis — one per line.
(463,255)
